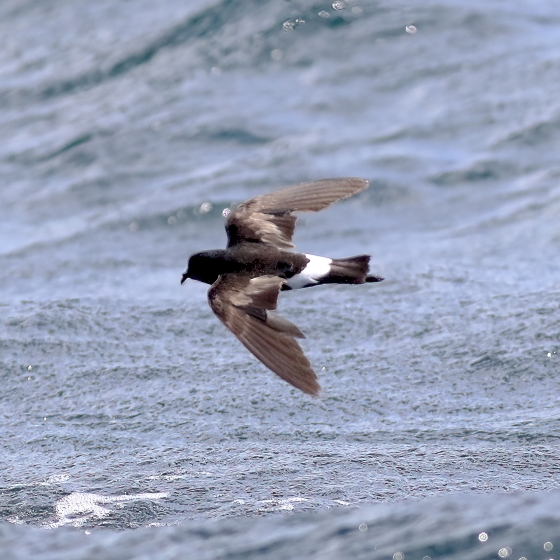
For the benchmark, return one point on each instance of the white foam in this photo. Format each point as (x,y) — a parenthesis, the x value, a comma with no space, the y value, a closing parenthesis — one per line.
(283,504)
(79,508)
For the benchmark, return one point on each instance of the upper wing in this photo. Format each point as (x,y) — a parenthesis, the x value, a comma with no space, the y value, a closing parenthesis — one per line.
(267,218)
(246,307)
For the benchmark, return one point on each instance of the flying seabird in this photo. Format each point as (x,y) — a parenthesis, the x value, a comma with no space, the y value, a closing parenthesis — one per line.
(247,277)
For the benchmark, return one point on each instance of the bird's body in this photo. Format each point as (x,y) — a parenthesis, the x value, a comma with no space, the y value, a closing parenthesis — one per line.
(248,258)
(248,275)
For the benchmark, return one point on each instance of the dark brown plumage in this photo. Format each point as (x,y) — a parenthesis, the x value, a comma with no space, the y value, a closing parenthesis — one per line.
(248,276)
(246,307)
(267,218)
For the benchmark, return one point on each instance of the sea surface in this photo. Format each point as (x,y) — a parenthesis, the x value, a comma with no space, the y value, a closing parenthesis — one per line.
(133,425)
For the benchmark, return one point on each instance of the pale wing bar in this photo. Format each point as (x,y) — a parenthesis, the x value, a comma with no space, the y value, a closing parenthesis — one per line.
(267,218)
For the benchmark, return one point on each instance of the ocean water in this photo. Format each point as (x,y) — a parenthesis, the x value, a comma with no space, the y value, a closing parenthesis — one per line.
(133,425)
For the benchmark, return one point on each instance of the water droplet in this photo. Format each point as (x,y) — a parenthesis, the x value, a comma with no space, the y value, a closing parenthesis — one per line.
(87,532)
(289,25)
(338,6)
(171,220)
(549,355)
(205,207)
(276,54)
(323,14)
(483,537)
(216,71)
(29,379)
(410,29)
(45,419)
(226,212)
(363,527)
(398,556)
(504,552)
(29,368)
(548,546)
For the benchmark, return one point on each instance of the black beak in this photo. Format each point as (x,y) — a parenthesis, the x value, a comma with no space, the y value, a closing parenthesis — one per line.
(184,277)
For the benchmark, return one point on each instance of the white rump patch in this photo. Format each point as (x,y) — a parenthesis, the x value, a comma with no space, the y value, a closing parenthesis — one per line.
(317,268)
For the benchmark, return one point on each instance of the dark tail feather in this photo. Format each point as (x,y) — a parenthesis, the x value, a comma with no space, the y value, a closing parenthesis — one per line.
(352,270)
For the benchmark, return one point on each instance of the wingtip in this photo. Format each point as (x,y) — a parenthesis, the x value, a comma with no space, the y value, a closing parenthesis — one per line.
(316,394)
(356,184)
(311,391)
(312,387)
(364,183)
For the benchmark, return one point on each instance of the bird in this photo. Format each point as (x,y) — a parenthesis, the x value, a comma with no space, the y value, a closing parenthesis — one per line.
(259,262)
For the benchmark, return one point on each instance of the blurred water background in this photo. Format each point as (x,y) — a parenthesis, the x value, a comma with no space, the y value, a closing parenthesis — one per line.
(127,127)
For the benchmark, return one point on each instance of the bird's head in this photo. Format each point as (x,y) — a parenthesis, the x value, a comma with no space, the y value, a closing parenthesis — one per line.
(201,267)
(189,271)
(185,276)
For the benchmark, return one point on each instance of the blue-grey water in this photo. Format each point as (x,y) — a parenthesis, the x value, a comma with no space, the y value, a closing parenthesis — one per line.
(133,425)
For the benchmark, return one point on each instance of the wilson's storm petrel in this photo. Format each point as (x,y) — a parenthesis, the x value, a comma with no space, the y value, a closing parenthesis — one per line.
(247,277)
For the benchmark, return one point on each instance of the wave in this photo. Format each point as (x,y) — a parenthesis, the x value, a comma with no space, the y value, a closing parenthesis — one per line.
(459,527)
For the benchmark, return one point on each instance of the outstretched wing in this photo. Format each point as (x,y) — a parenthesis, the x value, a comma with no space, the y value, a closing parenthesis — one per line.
(246,307)
(267,218)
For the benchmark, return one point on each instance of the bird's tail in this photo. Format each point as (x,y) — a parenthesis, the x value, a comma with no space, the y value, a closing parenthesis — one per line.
(351,270)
